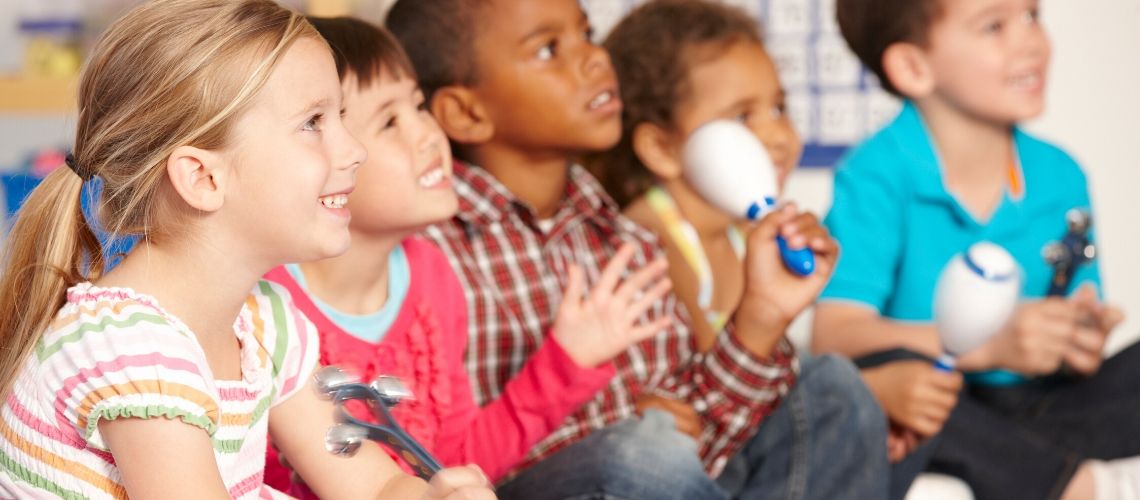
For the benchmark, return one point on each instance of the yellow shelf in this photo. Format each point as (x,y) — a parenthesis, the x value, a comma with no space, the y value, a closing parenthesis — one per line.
(20,94)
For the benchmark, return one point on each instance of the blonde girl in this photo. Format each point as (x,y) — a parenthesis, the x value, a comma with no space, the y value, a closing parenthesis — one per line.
(215,127)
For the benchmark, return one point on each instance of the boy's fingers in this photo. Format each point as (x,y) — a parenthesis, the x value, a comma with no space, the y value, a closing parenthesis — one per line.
(1088,339)
(642,332)
(614,269)
(646,301)
(1110,318)
(641,279)
(575,286)
(1083,362)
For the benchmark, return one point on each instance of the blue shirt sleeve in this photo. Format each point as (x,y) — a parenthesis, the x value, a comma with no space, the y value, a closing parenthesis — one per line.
(867,219)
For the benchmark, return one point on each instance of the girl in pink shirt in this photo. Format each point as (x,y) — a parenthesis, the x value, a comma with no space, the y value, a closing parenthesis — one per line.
(392,305)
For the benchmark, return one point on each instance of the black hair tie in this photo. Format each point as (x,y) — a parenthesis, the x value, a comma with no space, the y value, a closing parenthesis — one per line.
(75,167)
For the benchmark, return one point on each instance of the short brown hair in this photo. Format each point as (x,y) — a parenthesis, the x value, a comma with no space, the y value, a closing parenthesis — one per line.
(870,26)
(652,51)
(439,37)
(363,49)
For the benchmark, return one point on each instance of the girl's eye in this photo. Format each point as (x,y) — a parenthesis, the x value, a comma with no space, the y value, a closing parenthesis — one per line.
(780,110)
(1032,16)
(546,53)
(389,123)
(993,28)
(314,123)
(589,34)
(744,117)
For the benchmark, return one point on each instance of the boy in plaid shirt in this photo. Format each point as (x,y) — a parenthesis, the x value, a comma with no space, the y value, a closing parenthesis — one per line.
(521,91)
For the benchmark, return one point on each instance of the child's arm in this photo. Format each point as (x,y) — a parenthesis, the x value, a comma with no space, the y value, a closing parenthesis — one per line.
(163,459)
(298,427)
(554,382)
(750,367)
(914,394)
(855,329)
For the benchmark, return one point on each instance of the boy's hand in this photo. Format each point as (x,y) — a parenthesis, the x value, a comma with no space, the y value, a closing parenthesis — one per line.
(914,394)
(459,483)
(595,327)
(773,296)
(900,442)
(686,418)
(1036,339)
(1095,320)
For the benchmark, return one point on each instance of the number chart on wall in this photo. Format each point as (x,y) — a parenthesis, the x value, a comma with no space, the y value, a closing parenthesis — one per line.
(832,100)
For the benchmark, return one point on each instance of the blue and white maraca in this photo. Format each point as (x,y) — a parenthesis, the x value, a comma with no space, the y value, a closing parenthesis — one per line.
(731,170)
(977,293)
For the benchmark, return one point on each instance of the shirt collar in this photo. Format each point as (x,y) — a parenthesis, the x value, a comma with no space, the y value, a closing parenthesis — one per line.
(484,200)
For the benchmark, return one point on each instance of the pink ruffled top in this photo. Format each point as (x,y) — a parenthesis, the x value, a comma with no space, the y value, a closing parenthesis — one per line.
(425,348)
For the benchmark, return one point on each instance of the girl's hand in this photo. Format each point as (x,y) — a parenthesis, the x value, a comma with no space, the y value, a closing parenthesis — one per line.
(773,296)
(459,483)
(593,328)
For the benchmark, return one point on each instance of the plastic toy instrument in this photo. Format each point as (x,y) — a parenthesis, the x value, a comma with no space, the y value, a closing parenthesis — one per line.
(380,395)
(730,169)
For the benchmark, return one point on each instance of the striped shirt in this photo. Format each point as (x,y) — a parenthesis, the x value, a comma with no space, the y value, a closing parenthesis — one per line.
(113,353)
(513,272)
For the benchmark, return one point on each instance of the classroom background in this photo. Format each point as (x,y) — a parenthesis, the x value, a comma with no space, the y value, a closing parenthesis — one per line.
(1093,105)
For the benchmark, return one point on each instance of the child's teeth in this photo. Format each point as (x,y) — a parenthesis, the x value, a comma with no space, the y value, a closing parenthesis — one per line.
(334,201)
(601,99)
(431,178)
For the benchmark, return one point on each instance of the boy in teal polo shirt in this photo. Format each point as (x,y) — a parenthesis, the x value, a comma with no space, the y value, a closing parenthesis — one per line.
(951,170)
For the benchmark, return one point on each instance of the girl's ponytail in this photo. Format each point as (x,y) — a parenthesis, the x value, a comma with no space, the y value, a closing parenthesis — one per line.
(49,249)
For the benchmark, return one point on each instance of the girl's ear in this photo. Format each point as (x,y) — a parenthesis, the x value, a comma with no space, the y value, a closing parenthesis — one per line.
(198,176)
(908,68)
(657,150)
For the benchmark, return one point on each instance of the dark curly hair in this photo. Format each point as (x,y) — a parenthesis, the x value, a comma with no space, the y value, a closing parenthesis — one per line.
(653,50)
(870,26)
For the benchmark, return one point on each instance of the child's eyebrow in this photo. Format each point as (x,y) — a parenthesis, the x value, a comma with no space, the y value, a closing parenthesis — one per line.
(543,29)
(988,12)
(315,105)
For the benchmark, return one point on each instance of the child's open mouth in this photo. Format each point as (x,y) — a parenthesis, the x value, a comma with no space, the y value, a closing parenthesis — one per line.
(334,200)
(1026,82)
(606,101)
(432,178)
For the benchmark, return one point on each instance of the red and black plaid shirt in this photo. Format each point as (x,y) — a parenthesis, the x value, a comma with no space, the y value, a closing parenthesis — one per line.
(513,274)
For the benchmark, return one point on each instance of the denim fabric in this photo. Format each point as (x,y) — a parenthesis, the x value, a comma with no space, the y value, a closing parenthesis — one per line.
(826,440)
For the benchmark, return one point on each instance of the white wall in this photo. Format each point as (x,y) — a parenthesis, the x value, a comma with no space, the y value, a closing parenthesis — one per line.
(1093,112)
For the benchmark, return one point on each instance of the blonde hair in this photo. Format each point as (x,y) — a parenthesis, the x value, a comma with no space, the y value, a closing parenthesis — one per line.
(169,73)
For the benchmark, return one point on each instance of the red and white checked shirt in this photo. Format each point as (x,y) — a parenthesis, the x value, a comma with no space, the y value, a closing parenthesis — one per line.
(513,274)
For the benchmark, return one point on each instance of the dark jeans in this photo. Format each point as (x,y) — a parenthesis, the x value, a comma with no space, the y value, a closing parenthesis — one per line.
(1026,441)
(826,440)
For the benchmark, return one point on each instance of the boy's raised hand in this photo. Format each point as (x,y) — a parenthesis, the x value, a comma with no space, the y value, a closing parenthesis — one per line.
(594,327)
(773,296)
